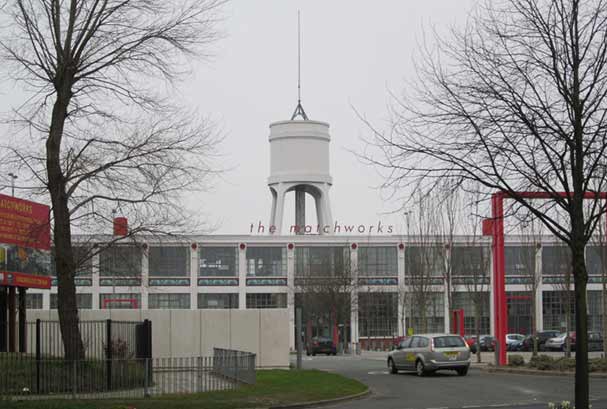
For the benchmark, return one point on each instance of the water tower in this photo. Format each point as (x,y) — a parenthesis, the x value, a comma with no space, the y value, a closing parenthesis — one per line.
(299,162)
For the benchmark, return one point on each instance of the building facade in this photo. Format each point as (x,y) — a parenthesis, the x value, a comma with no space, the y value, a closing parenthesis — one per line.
(369,289)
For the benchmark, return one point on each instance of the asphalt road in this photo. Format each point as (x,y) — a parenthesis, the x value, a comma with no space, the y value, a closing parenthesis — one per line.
(446,390)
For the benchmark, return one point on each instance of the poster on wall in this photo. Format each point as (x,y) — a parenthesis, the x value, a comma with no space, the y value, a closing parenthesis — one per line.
(25,245)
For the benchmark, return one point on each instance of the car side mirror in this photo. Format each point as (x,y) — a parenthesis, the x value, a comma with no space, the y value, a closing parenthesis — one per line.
(473,349)
(399,347)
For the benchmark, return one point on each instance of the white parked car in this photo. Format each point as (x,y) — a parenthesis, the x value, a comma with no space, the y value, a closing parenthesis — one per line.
(512,340)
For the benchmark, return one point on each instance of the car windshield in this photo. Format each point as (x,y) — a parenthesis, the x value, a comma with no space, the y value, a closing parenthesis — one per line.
(448,342)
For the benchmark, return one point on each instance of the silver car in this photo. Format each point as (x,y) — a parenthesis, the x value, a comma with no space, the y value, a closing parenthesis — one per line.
(425,353)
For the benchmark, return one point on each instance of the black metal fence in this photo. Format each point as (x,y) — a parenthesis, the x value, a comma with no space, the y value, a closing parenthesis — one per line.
(236,365)
(107,350)
(102,339)
(131,378)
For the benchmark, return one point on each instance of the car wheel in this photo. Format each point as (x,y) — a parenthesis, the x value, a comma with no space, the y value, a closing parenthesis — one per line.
(419,368)
(462,371)
(392,365)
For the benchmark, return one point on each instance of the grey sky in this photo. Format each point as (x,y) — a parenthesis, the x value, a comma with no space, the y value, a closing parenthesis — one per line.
(353,53)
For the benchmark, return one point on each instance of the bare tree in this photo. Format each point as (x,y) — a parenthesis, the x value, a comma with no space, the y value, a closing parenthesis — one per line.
(325,286)
(530,233)
(100,132)
(516,102)
(425,261)
(471,267)
(600,242)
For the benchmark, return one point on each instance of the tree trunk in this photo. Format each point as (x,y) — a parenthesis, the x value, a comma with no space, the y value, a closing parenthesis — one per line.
(581,326)
(62,236)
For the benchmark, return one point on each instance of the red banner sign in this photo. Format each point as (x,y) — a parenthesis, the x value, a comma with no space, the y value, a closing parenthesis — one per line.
(25,243)
(24,280)
(24,223)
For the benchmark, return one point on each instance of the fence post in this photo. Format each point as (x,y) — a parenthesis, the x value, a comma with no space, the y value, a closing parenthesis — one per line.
(74,363)
(236,356)
(146,368)
(199,374)
(38,354)
(108,354)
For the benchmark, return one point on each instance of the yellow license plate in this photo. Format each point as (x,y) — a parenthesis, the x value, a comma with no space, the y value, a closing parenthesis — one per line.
(451,354)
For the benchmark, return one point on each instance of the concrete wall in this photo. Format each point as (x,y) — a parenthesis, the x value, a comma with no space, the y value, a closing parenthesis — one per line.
(181,333)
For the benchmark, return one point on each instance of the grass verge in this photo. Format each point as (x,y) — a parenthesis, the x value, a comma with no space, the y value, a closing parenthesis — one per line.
(273,387)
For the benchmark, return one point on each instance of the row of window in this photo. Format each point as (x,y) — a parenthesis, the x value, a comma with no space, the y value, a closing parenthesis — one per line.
(166,301)
(377,261)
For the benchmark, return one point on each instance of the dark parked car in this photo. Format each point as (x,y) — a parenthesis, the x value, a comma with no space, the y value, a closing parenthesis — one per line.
(487,343)
(321,345)
(543,336)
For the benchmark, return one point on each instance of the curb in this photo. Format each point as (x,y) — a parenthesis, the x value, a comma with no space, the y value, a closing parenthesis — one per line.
(324,402)
(521,371)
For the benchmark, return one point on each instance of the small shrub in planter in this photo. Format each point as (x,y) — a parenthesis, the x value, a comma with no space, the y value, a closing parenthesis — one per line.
(598,365)
(516,360)
(542,362)
(563,405)
(564,364)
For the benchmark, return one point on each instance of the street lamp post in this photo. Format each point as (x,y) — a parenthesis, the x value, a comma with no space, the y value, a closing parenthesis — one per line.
(13,177)
(404,284)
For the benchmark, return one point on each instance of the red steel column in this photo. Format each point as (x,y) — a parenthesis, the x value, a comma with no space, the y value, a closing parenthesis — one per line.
(499,285)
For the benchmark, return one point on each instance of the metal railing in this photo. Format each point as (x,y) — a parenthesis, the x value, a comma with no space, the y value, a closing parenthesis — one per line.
(130,378)
(236,365)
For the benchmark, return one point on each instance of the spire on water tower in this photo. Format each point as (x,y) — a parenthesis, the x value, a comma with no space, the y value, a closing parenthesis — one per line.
(299,163)
(299,108)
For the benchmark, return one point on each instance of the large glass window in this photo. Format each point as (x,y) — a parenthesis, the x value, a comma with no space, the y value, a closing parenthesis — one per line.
(33,301)
(520,305)
(218,261)
(266,261)
(217,301)
(378,314)
(168,301)
(267,300)
(470,261)
(377,262)
(322,261)
(554,308)
(120,301)
(594,259)
(426,312)
(169,262)
(424,261)
(556,260)
(595,311)
(83,301)
(469,301)
(520,261)
(121,261)
(83,258)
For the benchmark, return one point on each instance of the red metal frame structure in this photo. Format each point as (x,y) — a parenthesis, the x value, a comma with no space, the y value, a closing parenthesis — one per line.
(457,322)
(495,228)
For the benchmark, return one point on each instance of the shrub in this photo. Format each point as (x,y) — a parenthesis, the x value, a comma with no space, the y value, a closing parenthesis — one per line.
(516,360)
(563,405)
(598,365)
(542,362)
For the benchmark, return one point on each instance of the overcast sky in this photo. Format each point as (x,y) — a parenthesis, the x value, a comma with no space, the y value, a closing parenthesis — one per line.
(354,52)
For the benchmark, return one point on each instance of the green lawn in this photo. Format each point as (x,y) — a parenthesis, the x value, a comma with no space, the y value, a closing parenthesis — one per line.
(273,387)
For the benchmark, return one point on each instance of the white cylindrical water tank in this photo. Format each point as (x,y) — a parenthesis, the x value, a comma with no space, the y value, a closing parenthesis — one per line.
(299,152)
